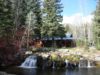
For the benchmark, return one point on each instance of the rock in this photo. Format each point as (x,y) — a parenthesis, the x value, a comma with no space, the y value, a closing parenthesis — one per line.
(48,64)
(4,73)
(28,52)
(97,58)
(71,65)
(92,48)
(40,62)
(59,64)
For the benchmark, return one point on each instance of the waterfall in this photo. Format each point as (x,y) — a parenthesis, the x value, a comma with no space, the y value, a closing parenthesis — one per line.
(53,65)
(66,61)
(83,63)
(89,64)
(30,62)
(86,64)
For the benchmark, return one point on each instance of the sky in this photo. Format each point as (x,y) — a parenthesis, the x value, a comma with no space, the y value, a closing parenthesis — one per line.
(78,9)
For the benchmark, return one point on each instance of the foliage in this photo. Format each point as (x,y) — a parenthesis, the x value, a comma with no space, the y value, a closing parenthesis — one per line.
(6,19)
(43,49)
(97,64)
(67,28)
(34,18)
(20,11)
(56,57)
(97,26)
(38,18)
(72,58)
(52,19)
(80,42)
(98,44)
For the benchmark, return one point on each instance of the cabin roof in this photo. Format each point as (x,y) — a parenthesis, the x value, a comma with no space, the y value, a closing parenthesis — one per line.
(58,38)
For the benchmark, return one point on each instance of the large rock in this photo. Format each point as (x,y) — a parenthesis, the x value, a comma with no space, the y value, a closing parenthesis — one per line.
(60,64)
(97,58)
(4,73)
(39,62)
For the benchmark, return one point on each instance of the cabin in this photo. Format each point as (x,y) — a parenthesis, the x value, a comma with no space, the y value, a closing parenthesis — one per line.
(67,41)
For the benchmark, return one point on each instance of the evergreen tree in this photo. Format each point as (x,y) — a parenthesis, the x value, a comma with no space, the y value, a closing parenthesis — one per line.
(6,20)
(52,19)
(34,18)
(97,26)
(20,12)
(37,18)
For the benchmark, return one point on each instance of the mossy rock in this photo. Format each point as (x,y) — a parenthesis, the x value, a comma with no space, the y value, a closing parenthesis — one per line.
(98,64)
(72,58)
(56,57)
(53,57)
(60,64)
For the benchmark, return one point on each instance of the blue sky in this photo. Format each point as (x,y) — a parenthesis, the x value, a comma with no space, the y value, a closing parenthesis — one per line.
(86,7)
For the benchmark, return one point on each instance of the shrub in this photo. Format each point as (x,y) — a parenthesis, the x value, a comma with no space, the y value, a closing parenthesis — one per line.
(72,58)
(80,42)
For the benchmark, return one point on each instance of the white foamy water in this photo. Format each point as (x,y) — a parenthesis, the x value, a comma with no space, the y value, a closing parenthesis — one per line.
(30,62)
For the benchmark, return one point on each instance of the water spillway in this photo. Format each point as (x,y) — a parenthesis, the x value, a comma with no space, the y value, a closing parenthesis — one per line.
(86,64)
(30,62)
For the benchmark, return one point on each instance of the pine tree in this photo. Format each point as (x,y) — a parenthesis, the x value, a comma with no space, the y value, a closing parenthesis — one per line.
(97,26)
(34,20)
(20,12)
(52,19)
(36,17)
(6,20)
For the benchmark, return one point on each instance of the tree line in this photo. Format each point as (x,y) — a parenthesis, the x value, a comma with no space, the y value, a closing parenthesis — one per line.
(96,25)
(41,18)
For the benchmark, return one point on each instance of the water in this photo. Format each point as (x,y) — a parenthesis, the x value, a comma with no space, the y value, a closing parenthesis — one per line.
(53,65)
(35,71)
(86,64)
(28,67)
(30,62)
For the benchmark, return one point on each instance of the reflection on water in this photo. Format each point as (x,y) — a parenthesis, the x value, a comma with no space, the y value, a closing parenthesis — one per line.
(82,71)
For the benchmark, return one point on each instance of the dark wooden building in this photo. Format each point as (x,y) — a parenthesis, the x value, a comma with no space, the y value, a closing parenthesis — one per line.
(67,41)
